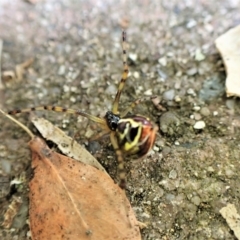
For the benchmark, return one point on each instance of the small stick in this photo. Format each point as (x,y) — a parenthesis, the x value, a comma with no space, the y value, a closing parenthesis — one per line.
(1,84)
(28,131)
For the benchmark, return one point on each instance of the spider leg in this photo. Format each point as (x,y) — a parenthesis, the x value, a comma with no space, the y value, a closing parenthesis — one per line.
(124,74)
(130,108)
(134,104)
(101,121)
(121,170)
(104,131)
(99,135)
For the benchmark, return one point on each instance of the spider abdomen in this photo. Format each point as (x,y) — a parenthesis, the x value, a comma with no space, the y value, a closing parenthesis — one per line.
(136,135)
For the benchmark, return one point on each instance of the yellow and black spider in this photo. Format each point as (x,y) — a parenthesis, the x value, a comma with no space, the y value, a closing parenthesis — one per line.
(133,135)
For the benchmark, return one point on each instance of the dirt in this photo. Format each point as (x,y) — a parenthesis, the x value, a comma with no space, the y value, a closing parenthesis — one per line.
(192,172)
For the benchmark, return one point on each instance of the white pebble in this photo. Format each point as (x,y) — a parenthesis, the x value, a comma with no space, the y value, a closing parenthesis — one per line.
(199,125)
(177,99)
(133,56)
(61,70)
(136,74)
(190,91)
(196,108)
(163,61)
(148,92)
(199,56)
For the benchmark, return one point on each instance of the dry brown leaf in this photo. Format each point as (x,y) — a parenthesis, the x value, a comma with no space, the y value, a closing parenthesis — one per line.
(72,200)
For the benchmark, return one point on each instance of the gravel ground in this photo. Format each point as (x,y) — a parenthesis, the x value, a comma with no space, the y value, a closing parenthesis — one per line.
(193,170)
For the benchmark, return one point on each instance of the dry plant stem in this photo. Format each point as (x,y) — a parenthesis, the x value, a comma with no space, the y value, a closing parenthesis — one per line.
(1,84)
(18,123)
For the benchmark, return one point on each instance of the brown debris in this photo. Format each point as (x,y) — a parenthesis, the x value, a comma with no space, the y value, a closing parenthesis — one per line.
(11,212)
(20,70)
(71,200)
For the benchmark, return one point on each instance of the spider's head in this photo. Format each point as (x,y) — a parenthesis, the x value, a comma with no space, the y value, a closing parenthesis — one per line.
(112,120)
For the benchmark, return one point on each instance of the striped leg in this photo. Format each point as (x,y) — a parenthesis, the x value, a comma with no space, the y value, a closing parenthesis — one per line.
(121,170)
(124,74)
(101,121)
(130,108)
(134,104)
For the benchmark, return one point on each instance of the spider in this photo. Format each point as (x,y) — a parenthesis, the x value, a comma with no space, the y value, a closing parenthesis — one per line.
(134,135)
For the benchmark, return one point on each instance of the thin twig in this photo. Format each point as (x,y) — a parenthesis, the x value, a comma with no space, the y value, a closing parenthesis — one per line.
(1,45)
(28,131)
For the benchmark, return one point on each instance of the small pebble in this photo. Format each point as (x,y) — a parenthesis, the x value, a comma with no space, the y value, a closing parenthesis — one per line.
(73,99)
(170,197)
(177,99)
(111,90)
(173,174)
(169,95)
(68,48)
(190,91)
(199,56)
(230,103)
(179,74)
(166,151)
(210,169)
(205,111)
(39,80)
(148,92)
(191,23)
(196,200)
(199,125)
(168,122)
(192,71)
(156,149)
(66,88)
(62,70)
(6,166)
(93,147)
(133,56)
(197,116)
(145,215)
(136,74)
(163,61)
(162,74)
(196,108)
